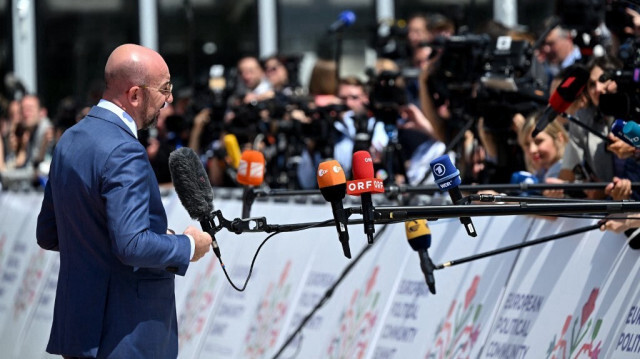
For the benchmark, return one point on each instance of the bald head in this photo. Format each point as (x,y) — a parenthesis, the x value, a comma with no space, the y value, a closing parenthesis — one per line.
(137,80)
(130,65)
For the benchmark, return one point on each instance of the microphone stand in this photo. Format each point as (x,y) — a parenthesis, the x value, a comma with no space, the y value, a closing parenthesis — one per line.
(575,120)
(519,246)
(436,212)
(394,214)
(338,53)
(248,197)
(394,189)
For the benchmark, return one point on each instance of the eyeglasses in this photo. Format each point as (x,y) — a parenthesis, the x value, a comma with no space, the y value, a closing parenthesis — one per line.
(166,91)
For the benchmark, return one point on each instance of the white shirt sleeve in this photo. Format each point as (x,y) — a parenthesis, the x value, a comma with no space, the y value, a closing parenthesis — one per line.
(193,246)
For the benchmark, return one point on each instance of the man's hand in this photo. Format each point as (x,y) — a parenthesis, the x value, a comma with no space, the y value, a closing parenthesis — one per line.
(620,148)
(616,224)
(202,241)
(619,189)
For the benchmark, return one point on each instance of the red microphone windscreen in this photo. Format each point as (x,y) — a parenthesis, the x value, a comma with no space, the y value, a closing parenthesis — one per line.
(362,165)
(330,173)
(569,89)
(251,168)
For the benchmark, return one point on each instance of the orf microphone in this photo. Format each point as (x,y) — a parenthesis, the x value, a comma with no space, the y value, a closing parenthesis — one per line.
(194,190)
(419,237)
(333,186)
(447,177)
(250,173)
(567,92)
(345,19)
(363,185)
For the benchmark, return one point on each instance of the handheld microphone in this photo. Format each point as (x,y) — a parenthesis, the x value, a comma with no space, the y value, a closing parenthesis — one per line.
(233,149)
(567,92)
(363,185)
(194,190)
(250,173)
(628,131)
(447,177)
(345,19)
(419,237)
(333,186)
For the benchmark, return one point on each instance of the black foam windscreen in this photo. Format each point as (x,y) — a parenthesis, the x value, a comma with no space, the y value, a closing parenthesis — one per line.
(191,183)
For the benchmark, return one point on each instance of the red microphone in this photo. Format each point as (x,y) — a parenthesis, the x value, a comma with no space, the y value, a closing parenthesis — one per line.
(363,185)
(569,89)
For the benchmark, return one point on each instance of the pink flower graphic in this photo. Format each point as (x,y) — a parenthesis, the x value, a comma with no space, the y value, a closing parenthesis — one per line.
(471,292)
(588,307)
(372,280)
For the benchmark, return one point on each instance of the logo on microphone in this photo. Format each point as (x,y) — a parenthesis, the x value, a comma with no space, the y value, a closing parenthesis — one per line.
(367,185)
(322,172)
(439,169)
(368,159)
(336,169)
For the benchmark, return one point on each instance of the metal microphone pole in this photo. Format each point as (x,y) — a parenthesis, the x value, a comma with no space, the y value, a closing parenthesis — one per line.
(430,189)
(436,212)
(519,245)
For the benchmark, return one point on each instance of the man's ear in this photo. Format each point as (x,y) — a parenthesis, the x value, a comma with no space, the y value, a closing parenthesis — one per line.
(134,96)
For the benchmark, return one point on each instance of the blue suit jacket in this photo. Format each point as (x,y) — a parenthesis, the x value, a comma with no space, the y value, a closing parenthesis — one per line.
(102,211)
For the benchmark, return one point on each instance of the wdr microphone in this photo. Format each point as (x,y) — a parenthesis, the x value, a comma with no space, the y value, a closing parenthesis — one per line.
(345,19)
(250,173)
(419,237)
(447,177)
(333,186)
(363,185)
(567,92)
(194,190)
(233,149)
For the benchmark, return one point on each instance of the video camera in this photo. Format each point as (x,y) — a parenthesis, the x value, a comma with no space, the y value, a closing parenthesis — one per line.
(625,103)
(489,78)
(387,96)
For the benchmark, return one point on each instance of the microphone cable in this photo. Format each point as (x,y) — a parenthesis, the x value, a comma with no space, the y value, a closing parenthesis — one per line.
(255,256)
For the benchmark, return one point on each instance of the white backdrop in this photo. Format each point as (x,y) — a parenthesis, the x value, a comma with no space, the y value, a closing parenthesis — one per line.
(571,298)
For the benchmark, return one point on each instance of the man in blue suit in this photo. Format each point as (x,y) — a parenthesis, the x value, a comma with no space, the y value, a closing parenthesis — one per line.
(103,212)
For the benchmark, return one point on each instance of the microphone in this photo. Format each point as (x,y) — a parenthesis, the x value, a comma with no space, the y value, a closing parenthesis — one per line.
(567,92)
(251,168)
(250,173)
(447,177)
(524,178)
(628,131)
(232,148)
(333,186)
(419,237)
(363,185)
(194,190)
(345,19)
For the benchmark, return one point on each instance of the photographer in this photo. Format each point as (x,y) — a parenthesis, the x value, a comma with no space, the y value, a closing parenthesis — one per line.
(356,130)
